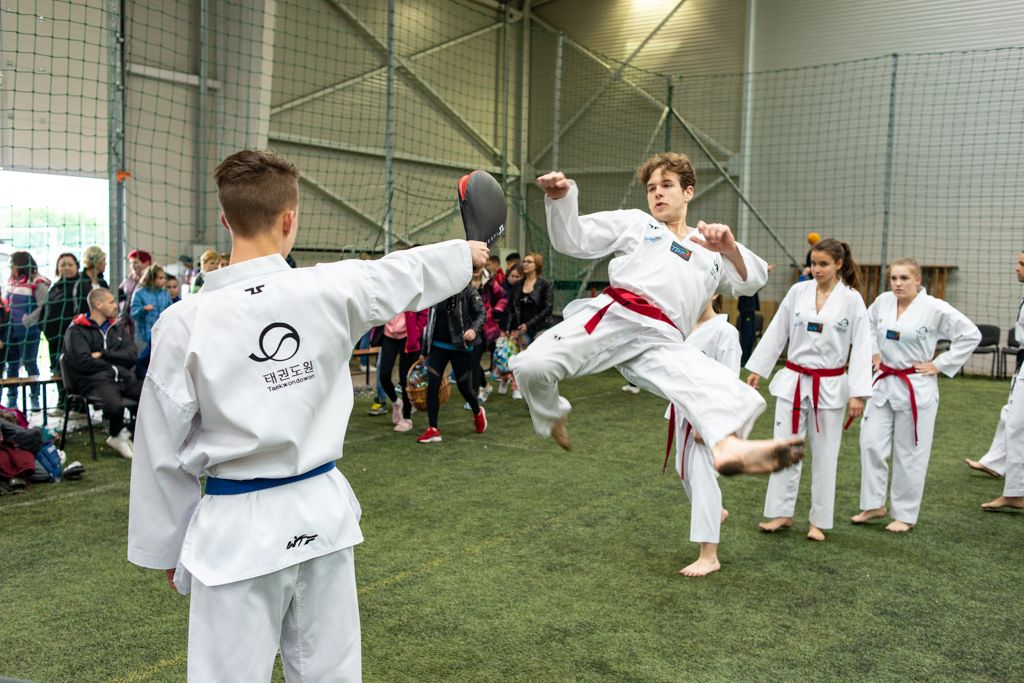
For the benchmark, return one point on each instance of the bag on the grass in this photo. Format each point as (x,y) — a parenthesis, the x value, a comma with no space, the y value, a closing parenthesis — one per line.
(504,349)
(14,416)
(49,459)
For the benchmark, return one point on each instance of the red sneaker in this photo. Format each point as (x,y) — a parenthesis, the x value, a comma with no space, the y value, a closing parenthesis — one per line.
(481,421)
(431,435)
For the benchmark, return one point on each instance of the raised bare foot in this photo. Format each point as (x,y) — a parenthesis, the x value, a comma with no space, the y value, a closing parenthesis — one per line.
(898,527)
(701,567)
(733,455)
(561,435)
(815,534)
(865,515)
(1015,502)
(773,525)
(725,514)
(975,465)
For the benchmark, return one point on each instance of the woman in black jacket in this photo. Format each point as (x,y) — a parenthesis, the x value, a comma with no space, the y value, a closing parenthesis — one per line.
(454,327)
(531,302)
(66,299)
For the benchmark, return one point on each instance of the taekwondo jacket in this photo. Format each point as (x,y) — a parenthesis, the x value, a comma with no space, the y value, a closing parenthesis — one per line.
(251,380)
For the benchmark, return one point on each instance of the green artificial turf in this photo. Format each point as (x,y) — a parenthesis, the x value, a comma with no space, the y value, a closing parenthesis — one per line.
(498,557)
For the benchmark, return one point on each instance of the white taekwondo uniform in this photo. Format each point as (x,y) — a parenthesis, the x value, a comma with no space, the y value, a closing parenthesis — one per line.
(1013,482)
(890,423)
(824,340)
(719,340)
(676,276)
(995,457)
(249,379)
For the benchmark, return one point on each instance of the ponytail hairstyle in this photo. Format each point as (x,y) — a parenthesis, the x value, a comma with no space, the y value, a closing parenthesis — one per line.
(840,251)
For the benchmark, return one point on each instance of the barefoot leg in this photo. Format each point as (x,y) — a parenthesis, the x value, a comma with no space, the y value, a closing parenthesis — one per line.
(975,465)
(561,434)
(773,525)
(706,564)
(865,515)
(1015,502)
(733,455)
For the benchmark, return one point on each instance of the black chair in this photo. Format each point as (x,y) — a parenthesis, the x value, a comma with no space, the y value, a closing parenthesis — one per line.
(74,399)
(989,344)
(1012,348)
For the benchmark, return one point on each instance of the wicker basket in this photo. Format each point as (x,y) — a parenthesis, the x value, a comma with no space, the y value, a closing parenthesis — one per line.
(416,386)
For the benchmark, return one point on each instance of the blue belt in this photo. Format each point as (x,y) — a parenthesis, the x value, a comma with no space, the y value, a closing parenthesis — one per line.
(216,486)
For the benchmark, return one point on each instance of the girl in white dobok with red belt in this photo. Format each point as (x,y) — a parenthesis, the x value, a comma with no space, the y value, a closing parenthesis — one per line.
(824,321)
(906,324)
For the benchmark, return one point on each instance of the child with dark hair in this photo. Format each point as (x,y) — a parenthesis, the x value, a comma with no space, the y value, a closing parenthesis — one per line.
(27,290)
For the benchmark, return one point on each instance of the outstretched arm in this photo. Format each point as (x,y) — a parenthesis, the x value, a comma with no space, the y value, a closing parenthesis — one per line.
(591,236)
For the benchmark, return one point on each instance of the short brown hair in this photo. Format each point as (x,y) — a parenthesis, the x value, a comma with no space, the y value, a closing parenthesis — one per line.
(254,187)
(670,161)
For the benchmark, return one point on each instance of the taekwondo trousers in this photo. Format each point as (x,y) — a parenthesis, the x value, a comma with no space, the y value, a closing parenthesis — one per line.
(995,458)
(884,430)
(696,469)
(649,354)
(1013,484)
(308,610)
(783,486)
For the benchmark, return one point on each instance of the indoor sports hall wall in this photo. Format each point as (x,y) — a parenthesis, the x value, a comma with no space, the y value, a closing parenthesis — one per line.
(894,126)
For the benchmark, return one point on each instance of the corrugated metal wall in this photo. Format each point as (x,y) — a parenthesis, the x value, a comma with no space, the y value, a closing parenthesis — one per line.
(793,33)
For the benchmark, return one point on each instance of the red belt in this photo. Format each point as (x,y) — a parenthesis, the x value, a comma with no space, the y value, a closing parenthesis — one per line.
(668,446)
(816,375)
(633,302)
(903,374)
(637,304)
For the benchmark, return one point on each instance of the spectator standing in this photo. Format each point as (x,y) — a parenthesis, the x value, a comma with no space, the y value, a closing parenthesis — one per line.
(138,261)
(66,299)
(27,290)
(150,300)
(210,260)
(95,261)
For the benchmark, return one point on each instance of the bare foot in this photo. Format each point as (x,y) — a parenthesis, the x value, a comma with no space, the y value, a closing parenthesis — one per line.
(898,527)
(561,435)
(1015,502)
(975,465)
(725,514)
(733,455)
(773,525)
(815,534)
(701,567)
(865,515)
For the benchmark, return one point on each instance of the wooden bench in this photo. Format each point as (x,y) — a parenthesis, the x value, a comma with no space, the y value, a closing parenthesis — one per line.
(934,278)
(25,382)
(371,353)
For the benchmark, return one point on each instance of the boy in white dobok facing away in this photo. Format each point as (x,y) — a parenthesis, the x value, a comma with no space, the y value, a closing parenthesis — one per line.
(1013,480)
(906,325)
(662,276)
(249,386)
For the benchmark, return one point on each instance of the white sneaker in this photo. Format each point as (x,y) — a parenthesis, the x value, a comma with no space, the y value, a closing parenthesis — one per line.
(122,445)
(503,387)
(631,389)
(516,394)
(403,425)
